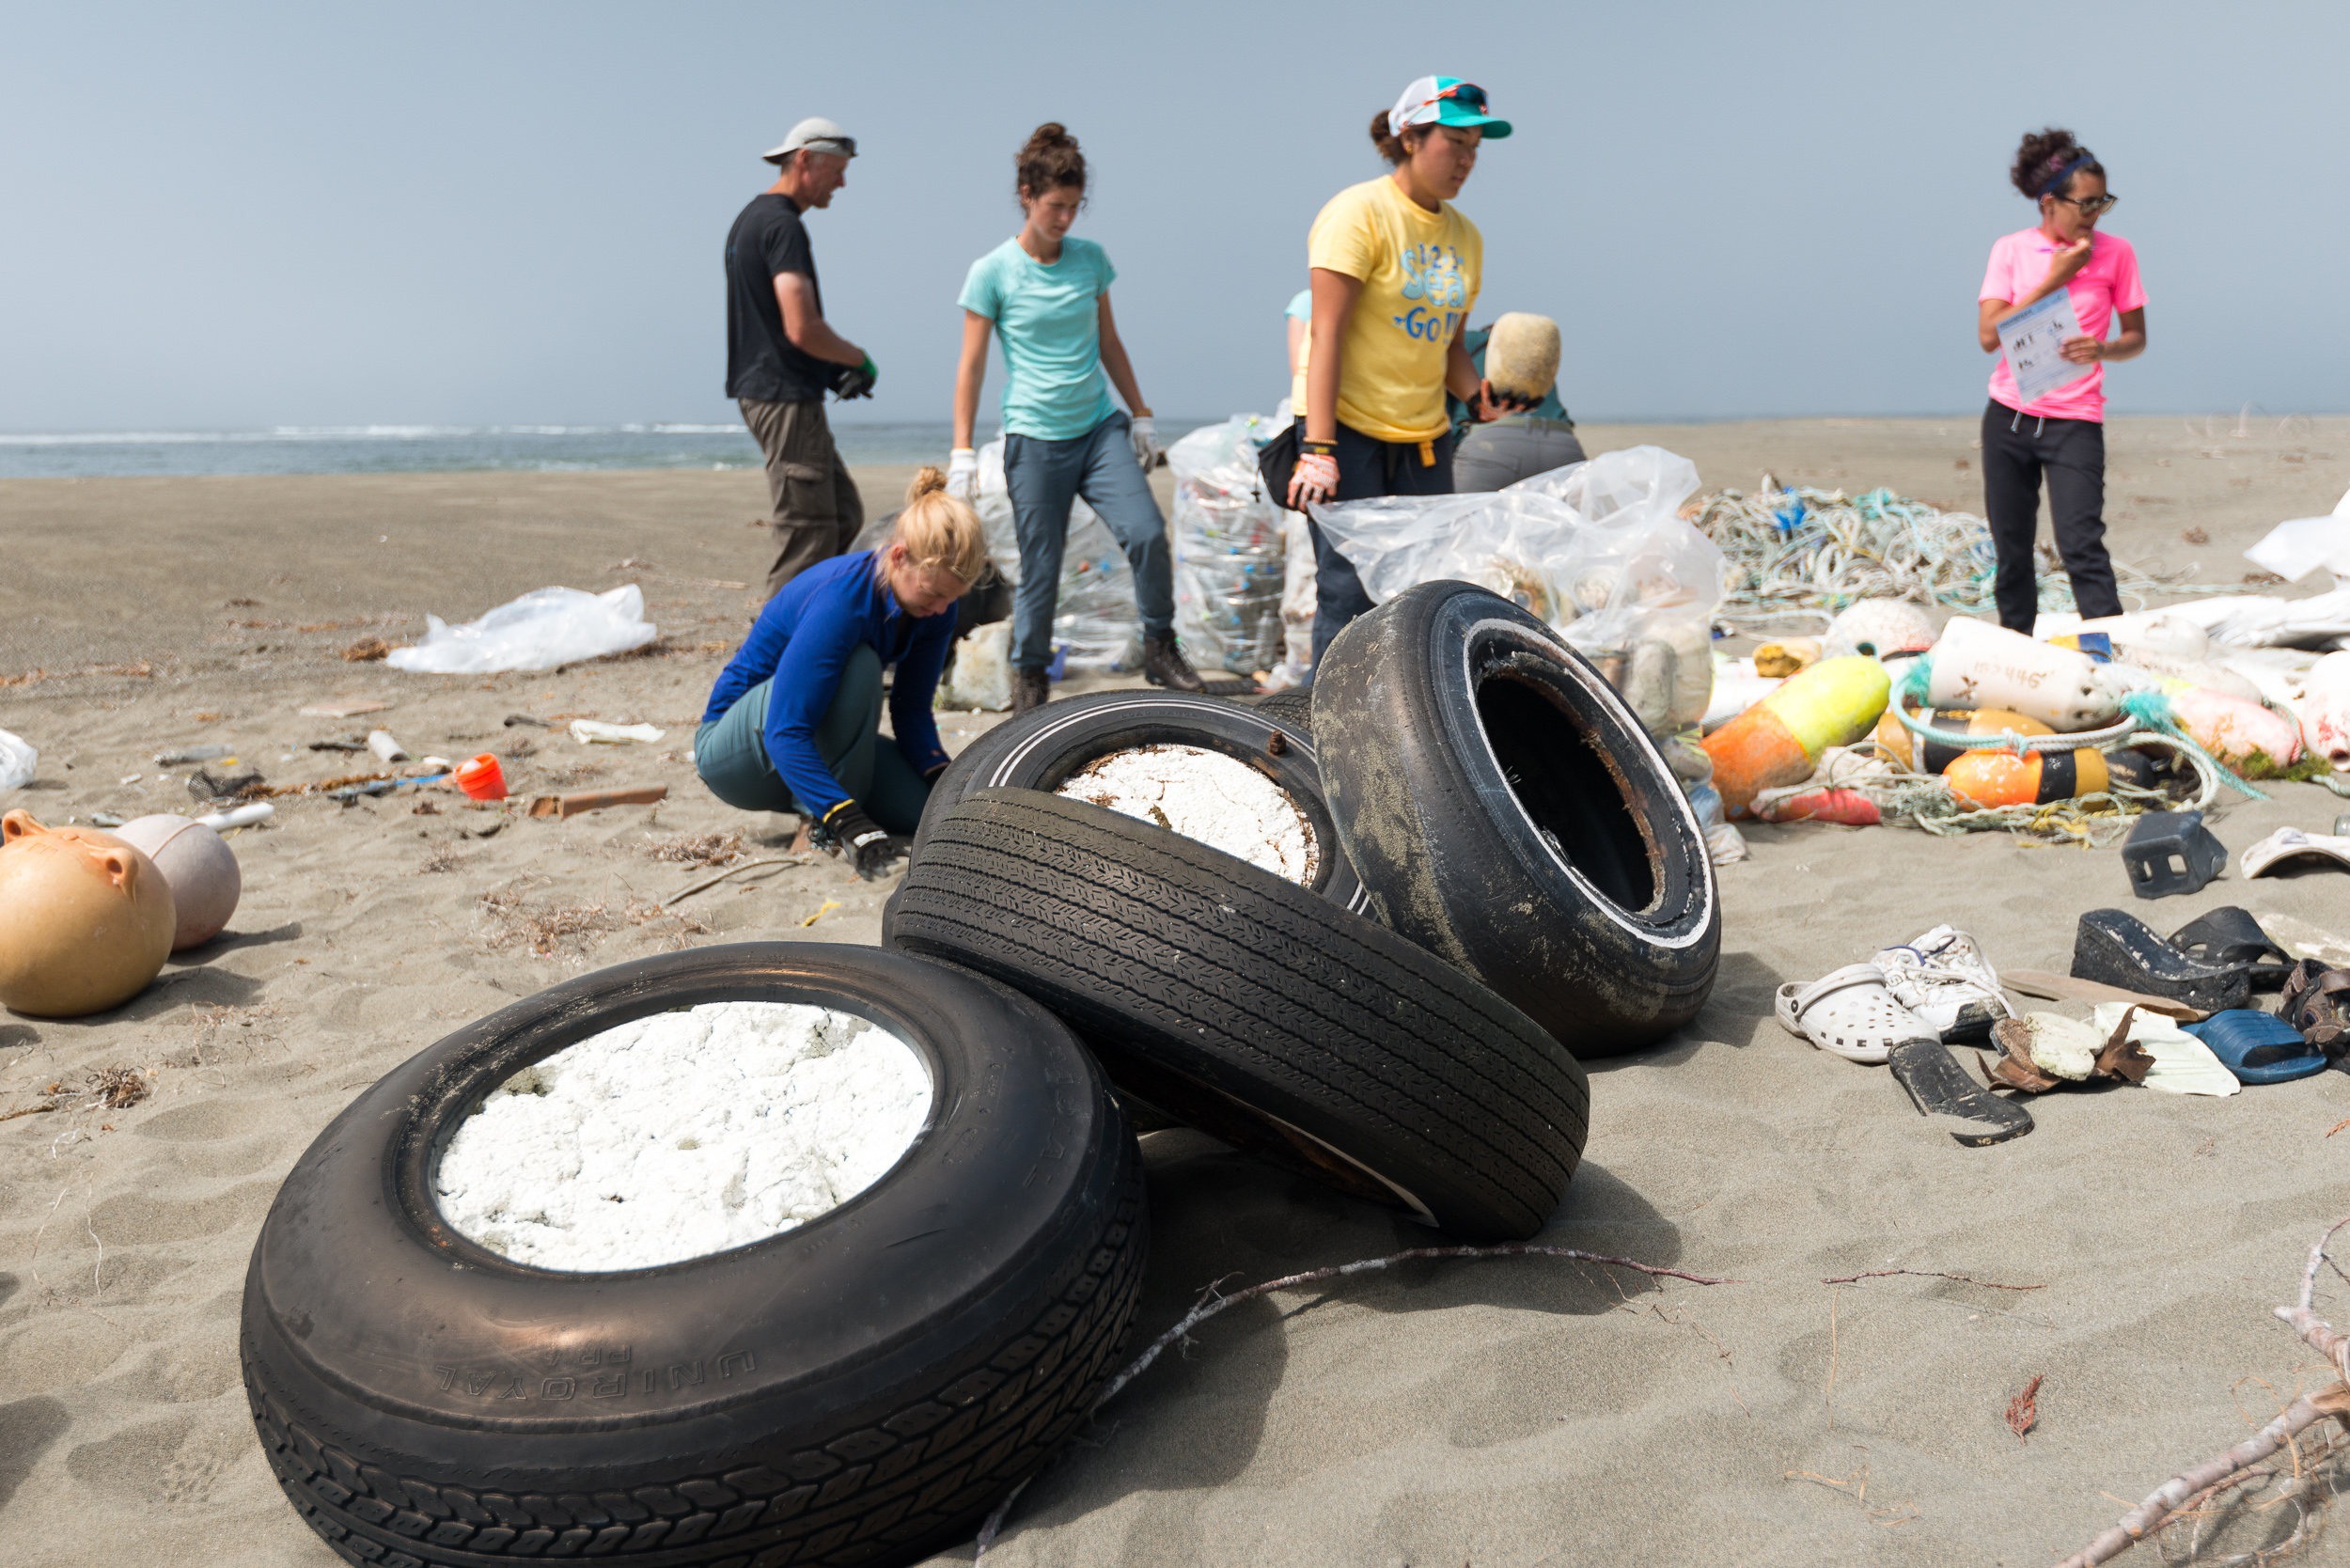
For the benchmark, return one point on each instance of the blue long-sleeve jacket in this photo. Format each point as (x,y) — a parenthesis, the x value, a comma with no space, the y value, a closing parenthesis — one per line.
(802,641)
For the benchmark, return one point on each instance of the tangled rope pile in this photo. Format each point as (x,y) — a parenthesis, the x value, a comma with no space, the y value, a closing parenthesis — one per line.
(1815,550)
(1902,795)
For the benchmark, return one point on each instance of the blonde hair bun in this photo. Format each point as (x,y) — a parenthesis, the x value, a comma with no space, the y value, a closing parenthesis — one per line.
(940,533)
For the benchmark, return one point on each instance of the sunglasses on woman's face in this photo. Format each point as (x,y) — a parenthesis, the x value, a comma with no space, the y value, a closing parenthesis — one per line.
(2092,206)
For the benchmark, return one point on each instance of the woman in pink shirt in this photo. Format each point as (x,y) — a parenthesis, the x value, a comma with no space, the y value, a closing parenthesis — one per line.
(2061,432)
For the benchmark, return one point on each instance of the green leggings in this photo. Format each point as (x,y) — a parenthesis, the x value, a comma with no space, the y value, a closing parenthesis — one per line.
(731,753)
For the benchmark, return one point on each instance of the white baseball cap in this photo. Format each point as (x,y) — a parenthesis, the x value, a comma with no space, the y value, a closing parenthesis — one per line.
(817,134)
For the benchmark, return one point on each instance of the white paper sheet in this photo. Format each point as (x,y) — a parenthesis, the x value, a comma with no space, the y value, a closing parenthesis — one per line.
(2034,343)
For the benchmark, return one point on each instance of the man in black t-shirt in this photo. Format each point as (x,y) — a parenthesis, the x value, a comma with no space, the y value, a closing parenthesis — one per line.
(782,357)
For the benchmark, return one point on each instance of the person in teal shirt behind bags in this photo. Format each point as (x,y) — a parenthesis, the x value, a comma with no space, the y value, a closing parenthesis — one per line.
(1046,293)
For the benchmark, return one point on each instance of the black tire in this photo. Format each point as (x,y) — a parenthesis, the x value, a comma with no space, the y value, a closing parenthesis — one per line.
(1041,748)
(1508,813)
(860,1390)
(1296,704)
(1255,1010)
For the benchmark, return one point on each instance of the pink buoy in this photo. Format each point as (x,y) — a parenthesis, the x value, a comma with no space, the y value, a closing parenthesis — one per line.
(2233,730)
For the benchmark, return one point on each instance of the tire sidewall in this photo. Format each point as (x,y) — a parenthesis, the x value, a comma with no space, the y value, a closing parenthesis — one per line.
(1040,749)
(361,1292)
(1456,862)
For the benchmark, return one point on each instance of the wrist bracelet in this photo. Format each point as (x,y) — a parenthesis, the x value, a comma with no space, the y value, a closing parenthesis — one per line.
(1319,448)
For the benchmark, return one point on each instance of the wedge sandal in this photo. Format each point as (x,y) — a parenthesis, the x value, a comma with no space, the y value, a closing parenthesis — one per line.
(2115,948)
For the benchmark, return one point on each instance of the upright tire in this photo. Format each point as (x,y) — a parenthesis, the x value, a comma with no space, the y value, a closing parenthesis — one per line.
(859,1390)
(1508,812)
(1041,748)
(1254,1011)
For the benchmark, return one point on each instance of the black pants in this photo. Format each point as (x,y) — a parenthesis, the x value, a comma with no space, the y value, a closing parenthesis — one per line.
(2016,448)
(1366,467)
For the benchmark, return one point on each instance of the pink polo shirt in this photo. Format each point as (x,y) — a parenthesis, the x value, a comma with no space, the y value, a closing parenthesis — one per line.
(2106,285)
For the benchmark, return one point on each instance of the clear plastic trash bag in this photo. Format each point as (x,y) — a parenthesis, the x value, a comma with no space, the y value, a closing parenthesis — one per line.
(1597,549)
(1094,619)
(544,628)
(1231,549)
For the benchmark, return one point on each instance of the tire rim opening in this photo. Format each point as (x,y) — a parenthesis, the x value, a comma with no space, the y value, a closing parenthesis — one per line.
(1208,795)
(687,1132)
(1569,791)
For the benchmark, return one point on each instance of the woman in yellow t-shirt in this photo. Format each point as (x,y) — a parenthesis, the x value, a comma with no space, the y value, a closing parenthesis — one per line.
(1395,271)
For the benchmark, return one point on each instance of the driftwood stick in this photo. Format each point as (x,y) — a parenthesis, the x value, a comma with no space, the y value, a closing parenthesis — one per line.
(1928,1274)
(1209,1309)
(1211,1303)
(2174,1495)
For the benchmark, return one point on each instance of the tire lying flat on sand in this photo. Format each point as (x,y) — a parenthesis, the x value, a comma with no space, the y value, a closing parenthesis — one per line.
(859,1390)
(1255,1010)
(1040,749)
(1508,812)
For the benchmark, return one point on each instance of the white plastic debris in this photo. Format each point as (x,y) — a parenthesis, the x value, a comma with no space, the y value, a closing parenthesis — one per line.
(682,1134)
(17,761)
(385,746)
(544,628)
(1207,795)
(979,680)
(596,732)
(242,816)
(2293,550)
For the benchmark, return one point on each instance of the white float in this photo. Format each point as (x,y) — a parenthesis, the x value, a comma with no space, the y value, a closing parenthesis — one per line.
(1207,795)
(682,1134)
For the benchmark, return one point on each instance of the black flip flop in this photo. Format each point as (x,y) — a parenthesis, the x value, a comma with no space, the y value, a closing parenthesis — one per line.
(2231,938)
(2119,949)
(1939,1087)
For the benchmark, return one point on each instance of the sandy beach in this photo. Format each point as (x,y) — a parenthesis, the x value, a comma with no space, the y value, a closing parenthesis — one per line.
(1516,1412)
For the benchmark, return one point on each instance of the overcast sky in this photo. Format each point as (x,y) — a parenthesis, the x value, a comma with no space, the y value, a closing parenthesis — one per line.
(250,215)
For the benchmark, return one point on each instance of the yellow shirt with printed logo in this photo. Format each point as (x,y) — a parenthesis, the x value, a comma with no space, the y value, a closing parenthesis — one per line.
(1419,271)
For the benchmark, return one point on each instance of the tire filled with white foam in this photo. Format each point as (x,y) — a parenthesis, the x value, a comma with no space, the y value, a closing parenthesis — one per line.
(1207,795)
(682,1134)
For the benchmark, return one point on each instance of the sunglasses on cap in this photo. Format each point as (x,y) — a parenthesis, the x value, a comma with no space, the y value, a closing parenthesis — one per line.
(1468,94)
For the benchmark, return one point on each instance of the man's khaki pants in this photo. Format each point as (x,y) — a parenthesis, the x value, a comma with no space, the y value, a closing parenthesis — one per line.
(817,512)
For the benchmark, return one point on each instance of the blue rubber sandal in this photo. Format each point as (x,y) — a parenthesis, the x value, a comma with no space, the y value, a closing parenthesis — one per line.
(2259,1047)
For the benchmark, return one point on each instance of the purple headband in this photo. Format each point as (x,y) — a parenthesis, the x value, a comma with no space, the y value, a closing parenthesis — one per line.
(2057,183)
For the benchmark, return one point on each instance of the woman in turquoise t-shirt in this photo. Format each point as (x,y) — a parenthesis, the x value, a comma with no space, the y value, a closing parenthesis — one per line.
(1048,296)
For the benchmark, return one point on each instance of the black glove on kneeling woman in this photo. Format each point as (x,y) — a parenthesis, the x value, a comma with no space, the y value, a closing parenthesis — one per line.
(846,831)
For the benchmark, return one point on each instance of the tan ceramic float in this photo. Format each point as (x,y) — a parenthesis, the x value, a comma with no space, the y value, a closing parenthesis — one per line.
(86,921)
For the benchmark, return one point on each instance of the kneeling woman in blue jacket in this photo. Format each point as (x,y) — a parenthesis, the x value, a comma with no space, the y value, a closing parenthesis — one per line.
(794,722)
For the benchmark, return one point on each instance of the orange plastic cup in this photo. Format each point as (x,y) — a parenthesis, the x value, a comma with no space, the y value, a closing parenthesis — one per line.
(482,779)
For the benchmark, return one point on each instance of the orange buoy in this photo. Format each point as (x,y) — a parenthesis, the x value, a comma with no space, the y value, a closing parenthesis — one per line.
(1922,753)
(2001,777)
(1778,741)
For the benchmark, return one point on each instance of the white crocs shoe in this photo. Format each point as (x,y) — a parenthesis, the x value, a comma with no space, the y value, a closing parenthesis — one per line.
(1943,978)
(1850,1012)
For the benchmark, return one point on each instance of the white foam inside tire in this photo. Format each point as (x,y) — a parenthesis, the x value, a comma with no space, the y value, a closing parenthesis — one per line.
(682,1134)
(1208,795)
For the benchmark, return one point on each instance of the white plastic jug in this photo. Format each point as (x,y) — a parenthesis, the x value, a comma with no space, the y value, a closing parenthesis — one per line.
(1979,665)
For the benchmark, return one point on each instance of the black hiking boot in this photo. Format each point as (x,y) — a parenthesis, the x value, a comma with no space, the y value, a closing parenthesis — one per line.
(1030,689)
(1164,664)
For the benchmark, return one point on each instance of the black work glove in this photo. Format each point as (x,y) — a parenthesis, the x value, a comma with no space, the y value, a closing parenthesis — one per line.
(848,832)
(856,380)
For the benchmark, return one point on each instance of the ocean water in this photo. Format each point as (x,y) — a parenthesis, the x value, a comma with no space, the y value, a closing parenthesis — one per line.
(431,448)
